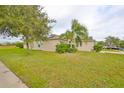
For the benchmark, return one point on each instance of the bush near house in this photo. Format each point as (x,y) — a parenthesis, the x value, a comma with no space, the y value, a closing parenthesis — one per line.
(122,44)
(19,44)
(63,48)
(98,47)
(71,49)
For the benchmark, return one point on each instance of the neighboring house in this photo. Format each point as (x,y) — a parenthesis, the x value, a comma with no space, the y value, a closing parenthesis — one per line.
(50,45)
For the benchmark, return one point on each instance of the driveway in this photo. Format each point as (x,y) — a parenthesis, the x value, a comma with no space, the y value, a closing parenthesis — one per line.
(8,79)
(112,52)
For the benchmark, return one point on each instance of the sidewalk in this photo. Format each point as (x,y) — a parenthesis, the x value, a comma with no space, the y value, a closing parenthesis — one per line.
(8,79)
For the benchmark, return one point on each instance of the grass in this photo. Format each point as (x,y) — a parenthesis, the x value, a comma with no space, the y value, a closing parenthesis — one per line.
(81,69)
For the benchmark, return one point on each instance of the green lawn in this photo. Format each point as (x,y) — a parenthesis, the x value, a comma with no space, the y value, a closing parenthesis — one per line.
(81,69)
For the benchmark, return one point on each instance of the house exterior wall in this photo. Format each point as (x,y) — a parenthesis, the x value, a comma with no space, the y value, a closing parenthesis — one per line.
(50,45)
(86,46)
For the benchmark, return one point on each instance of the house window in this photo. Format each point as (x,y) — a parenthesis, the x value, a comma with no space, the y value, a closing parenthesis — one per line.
(38,45)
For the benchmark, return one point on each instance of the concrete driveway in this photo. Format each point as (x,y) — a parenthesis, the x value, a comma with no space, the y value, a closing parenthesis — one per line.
(112,52)
(8,79)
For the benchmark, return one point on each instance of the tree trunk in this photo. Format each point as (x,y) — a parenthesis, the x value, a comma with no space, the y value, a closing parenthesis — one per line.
(27,45)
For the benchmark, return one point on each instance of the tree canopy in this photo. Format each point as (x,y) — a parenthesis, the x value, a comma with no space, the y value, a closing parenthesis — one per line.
(122,43)
(31,22)
(77,33)
(112,41)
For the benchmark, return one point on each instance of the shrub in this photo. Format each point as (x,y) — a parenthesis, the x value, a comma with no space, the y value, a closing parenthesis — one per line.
(122,44)
(63,48)
(19,44)
(72,49)
(98,47)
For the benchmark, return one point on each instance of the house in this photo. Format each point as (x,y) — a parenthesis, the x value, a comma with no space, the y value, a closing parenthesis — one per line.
(50,45)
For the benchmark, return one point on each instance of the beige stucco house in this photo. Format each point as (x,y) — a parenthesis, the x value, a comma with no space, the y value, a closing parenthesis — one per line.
(50,45)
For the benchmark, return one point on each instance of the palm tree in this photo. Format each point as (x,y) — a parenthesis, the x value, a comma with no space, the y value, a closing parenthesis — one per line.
(76,35)
(79,32)
(67,36)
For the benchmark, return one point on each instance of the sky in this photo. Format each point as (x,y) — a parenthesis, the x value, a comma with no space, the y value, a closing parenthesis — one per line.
(101,20)
(9,39)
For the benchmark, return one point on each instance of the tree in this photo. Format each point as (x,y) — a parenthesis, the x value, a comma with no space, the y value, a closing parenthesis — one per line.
(122,43)
(112,42)
(28,21)
(76,35)
(101,43)
(79,31)
(98,47)
(90,38)
(68,36)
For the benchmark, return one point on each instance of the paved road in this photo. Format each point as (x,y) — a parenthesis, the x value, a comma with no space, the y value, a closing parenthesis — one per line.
(112,52)
(8,79)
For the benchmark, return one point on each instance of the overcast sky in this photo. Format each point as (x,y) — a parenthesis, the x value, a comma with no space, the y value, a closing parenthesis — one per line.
(101,21)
